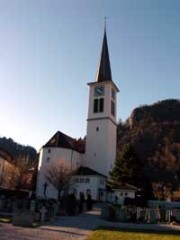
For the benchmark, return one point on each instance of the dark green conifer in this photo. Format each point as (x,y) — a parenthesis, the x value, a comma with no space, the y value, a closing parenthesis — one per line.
(127,169)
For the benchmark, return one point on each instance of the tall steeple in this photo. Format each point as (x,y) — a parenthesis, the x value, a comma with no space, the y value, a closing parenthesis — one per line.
(101,121)
(104,69)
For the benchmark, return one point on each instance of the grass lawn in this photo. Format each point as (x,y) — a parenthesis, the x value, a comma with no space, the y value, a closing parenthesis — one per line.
(104,233)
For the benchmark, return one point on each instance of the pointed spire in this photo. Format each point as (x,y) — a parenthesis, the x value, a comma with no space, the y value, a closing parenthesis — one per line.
(104,70)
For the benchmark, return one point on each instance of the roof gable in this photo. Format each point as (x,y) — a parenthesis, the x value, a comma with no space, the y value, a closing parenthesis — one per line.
(86,171)
(126,186)
(62,140)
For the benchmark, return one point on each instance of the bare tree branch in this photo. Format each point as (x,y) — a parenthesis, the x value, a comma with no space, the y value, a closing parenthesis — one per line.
(59,176)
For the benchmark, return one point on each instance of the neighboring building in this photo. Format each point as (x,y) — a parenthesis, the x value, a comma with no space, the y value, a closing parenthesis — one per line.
(27,181)
(89,181)
(124,191)
(96,155)
(9,173)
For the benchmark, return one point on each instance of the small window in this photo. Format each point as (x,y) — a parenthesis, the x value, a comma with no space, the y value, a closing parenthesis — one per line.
(112,108)
(121,194)
(97,129)
(101,105)
(113,93)
(49,150)
(126,194)
(87,180)
(48,159)
(96,105)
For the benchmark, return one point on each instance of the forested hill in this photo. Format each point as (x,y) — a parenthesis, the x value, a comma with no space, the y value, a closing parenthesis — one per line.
(19,153)
(154,131)
(164,111)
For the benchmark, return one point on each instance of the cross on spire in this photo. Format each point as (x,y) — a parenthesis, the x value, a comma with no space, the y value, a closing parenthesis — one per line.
(105,18)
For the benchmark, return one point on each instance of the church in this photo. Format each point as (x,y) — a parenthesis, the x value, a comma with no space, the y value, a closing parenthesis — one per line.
(93,157)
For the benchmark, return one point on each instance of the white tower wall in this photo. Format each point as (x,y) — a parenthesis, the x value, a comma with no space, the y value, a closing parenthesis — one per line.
(101,131)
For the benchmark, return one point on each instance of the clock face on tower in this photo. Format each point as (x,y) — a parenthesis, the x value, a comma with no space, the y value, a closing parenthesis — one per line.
(99,91)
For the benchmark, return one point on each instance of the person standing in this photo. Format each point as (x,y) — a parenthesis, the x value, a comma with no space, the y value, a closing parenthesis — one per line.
(89,202)
(81,202)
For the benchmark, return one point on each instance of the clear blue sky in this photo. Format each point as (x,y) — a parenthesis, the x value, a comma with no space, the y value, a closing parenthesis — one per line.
(50,49)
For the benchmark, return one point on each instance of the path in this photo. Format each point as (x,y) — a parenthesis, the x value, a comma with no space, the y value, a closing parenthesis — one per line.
(71,228)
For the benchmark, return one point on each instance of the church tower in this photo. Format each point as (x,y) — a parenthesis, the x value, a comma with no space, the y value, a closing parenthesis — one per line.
(101,122)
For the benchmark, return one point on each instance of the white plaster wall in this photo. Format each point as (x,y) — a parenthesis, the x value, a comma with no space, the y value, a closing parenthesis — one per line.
(125,193)
(66,156)
(112,142)
(82,187)
(93,186)
(101,145)
(57,155)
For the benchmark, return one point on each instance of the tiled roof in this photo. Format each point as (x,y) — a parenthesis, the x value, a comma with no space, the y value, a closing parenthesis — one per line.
(62,140)
(126,186)
(87,171)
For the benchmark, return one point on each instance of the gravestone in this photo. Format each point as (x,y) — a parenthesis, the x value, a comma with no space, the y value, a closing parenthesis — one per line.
(51,213)
(168,215)
(14,205)
(138,213)
(153,216)
(25,204)
(56,208)
(104,210)
(3,202)
(24,218)
(142,215)
(147,215)
(43,211)
(32,207)
(111,213)
(176,213)
(162,215)
(121,215)
(8,205)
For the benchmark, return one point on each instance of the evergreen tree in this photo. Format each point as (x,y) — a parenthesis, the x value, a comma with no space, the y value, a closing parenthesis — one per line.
(127,169)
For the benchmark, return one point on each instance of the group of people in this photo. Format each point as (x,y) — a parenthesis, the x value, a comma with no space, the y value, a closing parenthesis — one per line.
(82,201)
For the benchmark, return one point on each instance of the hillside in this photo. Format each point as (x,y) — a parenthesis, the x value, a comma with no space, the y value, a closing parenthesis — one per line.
(155,133)
(20,154)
